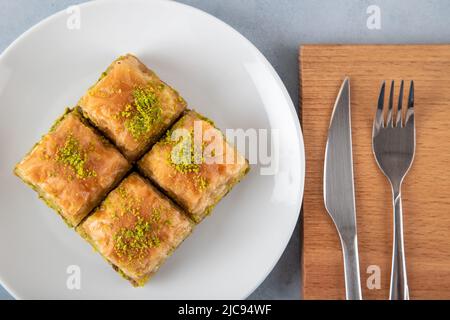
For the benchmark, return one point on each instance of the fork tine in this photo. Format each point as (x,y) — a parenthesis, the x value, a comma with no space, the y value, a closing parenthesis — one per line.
(389,122)
(379,118)
(409,119)
(398,122)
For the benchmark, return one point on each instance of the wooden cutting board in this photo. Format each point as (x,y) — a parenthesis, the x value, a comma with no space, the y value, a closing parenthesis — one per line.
(426,190)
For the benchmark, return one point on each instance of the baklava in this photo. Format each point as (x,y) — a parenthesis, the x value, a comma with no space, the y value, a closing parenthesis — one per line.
(131,105)
(72,167)
(194,164)
(136,228)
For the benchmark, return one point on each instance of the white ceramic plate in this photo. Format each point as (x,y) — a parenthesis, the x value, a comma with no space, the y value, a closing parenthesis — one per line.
(219,73)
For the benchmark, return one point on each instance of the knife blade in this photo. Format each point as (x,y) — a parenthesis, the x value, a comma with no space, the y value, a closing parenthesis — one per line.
(339,190)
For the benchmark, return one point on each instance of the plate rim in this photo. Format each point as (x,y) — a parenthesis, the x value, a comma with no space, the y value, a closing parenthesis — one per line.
(299,134)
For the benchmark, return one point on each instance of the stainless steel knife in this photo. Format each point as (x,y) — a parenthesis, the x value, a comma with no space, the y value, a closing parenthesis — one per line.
(338,188)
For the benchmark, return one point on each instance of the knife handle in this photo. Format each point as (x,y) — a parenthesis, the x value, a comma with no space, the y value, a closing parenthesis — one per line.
(351,269)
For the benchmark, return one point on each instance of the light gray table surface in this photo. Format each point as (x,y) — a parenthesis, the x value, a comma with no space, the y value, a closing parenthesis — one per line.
(277,28)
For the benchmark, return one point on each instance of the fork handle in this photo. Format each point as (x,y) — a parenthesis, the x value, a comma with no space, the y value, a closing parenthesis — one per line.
(399,281)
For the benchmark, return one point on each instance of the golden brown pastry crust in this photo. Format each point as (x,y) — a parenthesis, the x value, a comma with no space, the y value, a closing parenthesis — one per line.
(110,105)
(72,188)
(197,192)
(136,228)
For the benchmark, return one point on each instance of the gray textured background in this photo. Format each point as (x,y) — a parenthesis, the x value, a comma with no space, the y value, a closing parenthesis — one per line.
(277,28)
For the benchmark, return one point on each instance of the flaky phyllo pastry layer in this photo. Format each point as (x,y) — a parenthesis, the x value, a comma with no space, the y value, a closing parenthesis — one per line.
(131,105)
(196,185)
(136,228)
(72,167)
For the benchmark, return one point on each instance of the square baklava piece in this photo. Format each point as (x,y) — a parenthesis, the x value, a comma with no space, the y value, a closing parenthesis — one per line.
(194,164)
(131,105)
(72,167)
(136,228)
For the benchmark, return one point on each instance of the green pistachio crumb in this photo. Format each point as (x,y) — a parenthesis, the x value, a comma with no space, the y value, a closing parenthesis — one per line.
(189,157)
(143,113)
(126,113)
(156,215)
(134,242)
(128,203)
(201,182)
(71,155)
(122,192)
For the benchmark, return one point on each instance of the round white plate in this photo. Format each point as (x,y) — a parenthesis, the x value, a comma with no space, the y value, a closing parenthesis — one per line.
(219,73)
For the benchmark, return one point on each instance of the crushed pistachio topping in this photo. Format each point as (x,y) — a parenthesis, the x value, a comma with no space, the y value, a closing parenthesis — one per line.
(134,242)
(201,182)
(129,203)
(187,156)
(122,192)
(167,139)
(100,92)
(73,156)
(126,113)
(142,113)
(156,215)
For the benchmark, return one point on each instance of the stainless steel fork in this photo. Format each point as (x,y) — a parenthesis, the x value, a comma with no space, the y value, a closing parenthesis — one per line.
(393,144)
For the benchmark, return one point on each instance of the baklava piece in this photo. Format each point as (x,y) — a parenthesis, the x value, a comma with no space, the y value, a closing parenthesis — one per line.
(132,106)
(194,164)
(136,228)
(72,167)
